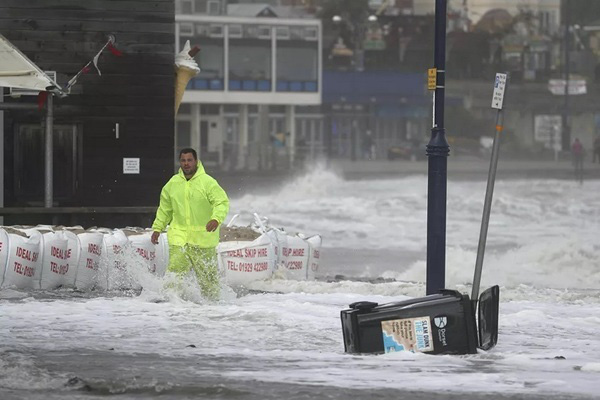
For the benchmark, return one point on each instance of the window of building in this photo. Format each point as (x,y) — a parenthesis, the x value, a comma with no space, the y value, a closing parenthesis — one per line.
(202,30)
(186,29)
(211,61)
(186,6)
(235,31)
(250,31)
(213,7)
(216,31)
(231,129)
(296,32)
(297,66)
(277,125)
(209,109)
(308,109)
(282,32)
(277,109)
(311,33)
(264,32)
(199,6)
(252,127)
(250,64)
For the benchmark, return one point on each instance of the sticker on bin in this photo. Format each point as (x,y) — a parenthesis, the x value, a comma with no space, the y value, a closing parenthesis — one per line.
(407,334)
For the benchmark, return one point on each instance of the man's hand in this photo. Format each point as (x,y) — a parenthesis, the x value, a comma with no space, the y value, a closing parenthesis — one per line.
(212,225)
(154,238)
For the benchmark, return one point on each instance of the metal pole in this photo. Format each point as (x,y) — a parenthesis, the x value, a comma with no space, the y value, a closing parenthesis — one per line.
(330,125)
(49,146)
(566,132)
(1,154)
(353,133)
(487,206)
(437,153)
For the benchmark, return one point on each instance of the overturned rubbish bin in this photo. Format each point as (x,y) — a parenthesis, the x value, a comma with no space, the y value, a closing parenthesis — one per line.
(442,323)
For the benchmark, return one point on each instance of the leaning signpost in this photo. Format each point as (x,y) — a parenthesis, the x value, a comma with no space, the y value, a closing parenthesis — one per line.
(497,102)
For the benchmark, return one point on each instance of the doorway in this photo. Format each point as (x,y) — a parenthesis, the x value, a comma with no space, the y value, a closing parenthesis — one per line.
(29,155)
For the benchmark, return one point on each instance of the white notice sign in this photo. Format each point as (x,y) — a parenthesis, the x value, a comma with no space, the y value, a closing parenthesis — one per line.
(499,87)
(131,165)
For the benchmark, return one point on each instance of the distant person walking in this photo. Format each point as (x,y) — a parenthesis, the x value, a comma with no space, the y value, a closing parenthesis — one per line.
(368,146)
(596,149)
(577,154)
(193,205)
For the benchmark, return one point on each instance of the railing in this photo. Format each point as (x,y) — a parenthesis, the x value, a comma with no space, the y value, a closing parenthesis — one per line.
(141,216)
(76,210)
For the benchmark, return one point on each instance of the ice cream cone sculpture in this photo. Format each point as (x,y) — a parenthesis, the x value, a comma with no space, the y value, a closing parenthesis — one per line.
(185,69)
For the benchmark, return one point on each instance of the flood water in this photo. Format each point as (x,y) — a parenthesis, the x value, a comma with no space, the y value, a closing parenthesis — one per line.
(282,339)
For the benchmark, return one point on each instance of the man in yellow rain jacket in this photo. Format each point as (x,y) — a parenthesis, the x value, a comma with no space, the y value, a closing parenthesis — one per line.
(193,205)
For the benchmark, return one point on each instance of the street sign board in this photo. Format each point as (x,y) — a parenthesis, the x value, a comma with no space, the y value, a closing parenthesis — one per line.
(576,86)
(431,78)
(547,130)
(499,86)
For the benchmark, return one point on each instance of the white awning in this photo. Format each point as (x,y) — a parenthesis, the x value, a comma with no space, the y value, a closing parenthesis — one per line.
(18,71)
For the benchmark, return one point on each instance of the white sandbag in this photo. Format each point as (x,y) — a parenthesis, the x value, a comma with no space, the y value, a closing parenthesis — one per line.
(103,262)
(144,252)
(279,240)
(74,251)
(162,255)
(118,277)
(243,262)
(91,244)
(24,261)
(315,243)
(60,256)
(295,258)
(3,253)
(41,229)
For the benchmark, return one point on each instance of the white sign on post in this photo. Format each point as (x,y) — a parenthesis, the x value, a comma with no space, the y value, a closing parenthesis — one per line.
(499,86)
(131,165)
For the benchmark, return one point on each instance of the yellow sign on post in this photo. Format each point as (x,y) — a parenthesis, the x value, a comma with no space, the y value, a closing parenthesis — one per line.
(431,78)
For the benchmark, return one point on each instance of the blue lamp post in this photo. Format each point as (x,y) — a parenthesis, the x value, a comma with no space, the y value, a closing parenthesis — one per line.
(437,152)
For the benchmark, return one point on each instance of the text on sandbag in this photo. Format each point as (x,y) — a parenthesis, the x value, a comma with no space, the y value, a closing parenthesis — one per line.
(91,264)
(94,249)
(24,269)
(26,254)
(247,266)
(59,269)
(148,255)
(294,252)
(294,265)
(248,253)
(60,253)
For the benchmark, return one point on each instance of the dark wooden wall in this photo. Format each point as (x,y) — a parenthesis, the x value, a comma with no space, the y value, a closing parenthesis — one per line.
(134,90)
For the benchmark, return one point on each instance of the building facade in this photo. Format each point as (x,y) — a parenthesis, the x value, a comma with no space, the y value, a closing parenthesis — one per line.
(255,103)
(271,96)
(126,112)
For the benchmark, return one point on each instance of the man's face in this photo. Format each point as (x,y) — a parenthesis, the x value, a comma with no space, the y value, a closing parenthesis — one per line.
(188,163)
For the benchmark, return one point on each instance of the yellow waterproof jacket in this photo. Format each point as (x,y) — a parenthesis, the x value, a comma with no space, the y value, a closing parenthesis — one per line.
(187,206)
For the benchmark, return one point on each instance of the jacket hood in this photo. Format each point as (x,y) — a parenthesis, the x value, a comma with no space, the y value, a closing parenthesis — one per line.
(199,171)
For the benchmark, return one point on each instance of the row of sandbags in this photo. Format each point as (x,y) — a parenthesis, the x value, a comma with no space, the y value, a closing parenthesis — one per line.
(47,257)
